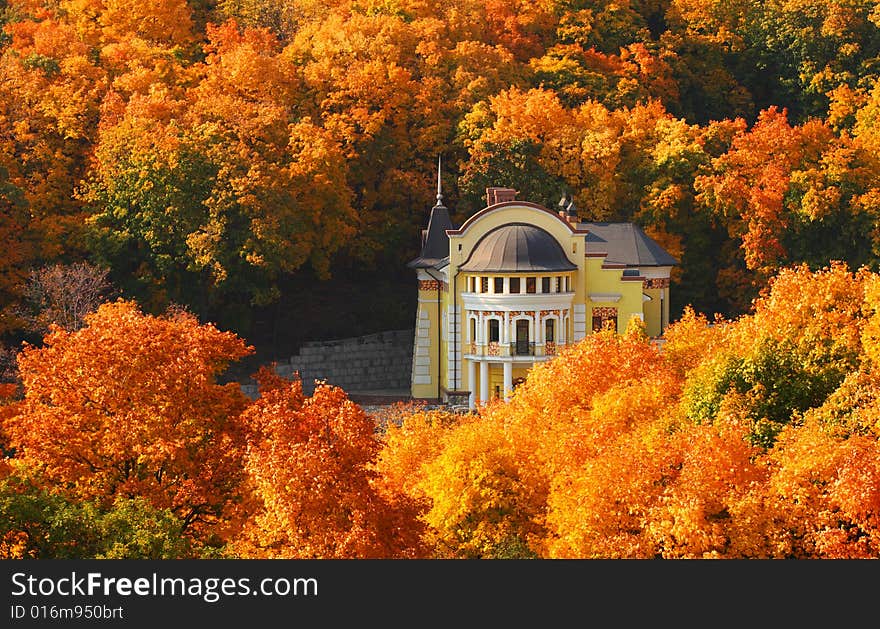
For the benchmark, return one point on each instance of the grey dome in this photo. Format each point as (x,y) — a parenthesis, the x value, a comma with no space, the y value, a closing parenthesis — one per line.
(516,248)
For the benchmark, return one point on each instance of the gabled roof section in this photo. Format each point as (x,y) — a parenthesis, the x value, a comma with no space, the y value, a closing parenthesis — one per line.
(625,243)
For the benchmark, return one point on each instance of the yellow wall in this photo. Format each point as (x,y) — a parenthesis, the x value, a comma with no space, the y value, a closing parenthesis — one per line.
(496,381)
(608,281)
(652,312)
(427,303)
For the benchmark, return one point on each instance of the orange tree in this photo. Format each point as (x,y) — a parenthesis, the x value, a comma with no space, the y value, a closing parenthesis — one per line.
(310,466)
(129,406)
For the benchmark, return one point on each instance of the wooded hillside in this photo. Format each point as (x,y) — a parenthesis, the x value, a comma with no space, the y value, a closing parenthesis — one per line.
(252,159)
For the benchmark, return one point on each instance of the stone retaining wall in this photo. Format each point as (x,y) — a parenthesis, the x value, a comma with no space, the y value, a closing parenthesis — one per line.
(379,361)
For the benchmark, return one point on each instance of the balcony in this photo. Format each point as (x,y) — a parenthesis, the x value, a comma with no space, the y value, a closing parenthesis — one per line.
(495,349)
(522,348)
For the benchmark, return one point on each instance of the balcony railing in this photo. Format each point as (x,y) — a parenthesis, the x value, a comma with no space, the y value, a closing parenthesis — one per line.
(522,348)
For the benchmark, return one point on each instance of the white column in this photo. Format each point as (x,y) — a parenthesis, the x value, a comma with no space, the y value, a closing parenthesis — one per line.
(472,384)
(664,306)
(508,380)
(484,381)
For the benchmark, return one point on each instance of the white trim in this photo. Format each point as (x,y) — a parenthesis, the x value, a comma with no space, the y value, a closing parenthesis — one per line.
(580,322)
(605,297)
(655,272)
(522,301)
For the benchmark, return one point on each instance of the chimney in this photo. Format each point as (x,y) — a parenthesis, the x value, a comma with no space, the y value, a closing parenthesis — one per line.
(499,195)
(569,211)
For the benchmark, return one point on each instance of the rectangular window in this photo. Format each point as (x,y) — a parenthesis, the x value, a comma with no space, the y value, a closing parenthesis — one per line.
(545,284)
(499,285)
(494,330)
(549,329)
(567,284)
(514,285)
(531,285)
(558,288)
(484,284)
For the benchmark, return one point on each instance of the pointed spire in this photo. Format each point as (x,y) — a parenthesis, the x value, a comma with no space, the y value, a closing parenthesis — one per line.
(435,241)
(439,183)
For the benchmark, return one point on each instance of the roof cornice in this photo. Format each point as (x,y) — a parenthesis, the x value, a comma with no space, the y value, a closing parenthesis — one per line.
(506,204)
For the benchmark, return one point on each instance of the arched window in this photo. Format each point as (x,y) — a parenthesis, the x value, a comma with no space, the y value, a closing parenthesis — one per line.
(522,345)
(494,330)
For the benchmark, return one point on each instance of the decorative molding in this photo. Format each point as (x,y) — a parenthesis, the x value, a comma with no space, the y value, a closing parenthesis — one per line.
(605,312)
(432,285)
(657,282)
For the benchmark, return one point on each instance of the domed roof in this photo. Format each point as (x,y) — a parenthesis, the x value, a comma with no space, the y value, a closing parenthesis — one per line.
(517,247)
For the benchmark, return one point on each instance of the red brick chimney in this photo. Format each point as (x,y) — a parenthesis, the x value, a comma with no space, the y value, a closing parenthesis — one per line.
(499,195)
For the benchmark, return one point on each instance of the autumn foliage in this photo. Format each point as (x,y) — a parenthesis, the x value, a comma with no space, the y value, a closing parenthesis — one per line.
(129,406)
(310,465)
(240,157)
(213,154)
(754,437)
(746,438)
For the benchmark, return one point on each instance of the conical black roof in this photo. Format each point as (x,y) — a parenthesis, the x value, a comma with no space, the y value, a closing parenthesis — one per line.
(435,245)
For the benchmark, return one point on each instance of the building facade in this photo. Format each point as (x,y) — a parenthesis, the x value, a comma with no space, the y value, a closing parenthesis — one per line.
(515,283)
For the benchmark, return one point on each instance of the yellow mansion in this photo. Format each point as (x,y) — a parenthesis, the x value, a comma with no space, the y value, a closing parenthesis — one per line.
(516,282)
